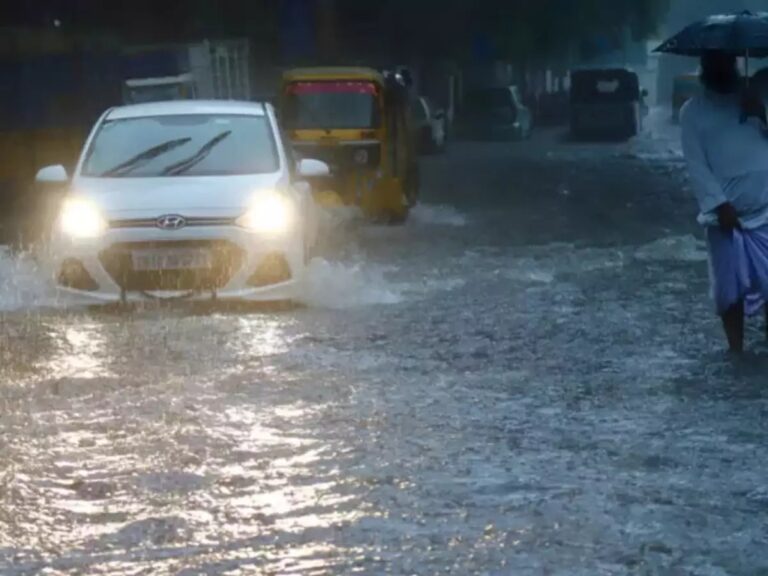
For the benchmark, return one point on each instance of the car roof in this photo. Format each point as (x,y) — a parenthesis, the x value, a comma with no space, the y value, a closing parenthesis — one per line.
(177,107)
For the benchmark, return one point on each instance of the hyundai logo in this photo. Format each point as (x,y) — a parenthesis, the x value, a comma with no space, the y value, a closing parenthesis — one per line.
(171,222)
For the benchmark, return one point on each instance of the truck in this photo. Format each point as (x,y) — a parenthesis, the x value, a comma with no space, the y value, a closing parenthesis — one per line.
(205,70)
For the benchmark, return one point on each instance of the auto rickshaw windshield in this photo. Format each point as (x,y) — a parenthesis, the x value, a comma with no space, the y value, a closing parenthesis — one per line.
(331,105)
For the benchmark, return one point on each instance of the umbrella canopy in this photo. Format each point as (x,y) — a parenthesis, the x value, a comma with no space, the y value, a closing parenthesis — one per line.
(743,34)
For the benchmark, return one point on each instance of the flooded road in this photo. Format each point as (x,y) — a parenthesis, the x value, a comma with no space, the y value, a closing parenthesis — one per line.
(527,378)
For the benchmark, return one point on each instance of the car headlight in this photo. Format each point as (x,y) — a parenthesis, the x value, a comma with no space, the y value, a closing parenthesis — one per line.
(79,218)
(270,213)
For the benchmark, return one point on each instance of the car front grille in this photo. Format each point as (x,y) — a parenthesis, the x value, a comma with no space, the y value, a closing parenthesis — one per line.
(152,222)
(226,258)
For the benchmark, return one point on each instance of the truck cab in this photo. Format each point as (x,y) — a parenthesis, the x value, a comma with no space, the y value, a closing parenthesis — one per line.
(143,90)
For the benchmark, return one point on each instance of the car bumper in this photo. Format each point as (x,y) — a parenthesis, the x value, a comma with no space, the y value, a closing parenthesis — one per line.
(245,266)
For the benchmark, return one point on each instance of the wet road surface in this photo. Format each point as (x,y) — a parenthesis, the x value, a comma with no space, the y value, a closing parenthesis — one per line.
(527,378)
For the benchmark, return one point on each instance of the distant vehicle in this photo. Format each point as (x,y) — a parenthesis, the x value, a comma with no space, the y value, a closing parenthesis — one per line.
(495,114)
(358,120)
(684,87)
(192,199)
(605,104)
(429,123)
(205,71)
(143,90)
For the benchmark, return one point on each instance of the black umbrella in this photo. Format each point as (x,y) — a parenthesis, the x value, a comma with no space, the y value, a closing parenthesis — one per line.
(744,34)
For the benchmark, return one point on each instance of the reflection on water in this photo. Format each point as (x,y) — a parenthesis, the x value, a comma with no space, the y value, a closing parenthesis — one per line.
(81,351)
(413,438)
(174,435)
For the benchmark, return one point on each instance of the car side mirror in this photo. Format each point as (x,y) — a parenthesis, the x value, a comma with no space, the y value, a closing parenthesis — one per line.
(52,175)
(309,168)
(644,93)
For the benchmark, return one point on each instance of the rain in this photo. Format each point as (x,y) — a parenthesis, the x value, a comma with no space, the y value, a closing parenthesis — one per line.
(328,287)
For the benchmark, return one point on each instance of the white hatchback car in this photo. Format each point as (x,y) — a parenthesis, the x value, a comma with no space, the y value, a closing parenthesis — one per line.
(188,199)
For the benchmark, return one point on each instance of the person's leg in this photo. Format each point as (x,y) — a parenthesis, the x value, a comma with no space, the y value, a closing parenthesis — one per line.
(733,323)
(728,285)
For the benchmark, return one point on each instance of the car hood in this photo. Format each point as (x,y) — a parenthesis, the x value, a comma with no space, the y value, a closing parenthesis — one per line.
(189,196)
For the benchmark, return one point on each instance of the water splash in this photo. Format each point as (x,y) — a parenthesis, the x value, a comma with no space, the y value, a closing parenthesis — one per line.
(23,284)
(340,285)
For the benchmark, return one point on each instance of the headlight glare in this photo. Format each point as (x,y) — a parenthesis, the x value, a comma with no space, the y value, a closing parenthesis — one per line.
(270,213)
(79,218)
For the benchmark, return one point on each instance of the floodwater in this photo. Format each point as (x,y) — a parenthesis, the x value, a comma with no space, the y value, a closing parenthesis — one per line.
(527,378)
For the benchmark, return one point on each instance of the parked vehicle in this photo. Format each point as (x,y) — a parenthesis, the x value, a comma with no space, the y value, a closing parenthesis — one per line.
(605,104)
(190,199)
(358,121)
(495,114)
(429,123)
(684,87)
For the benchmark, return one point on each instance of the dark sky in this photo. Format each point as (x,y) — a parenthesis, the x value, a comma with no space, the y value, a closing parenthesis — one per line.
(148,18)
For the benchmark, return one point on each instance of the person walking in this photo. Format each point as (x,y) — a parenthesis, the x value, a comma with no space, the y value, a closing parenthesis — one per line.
(725,144)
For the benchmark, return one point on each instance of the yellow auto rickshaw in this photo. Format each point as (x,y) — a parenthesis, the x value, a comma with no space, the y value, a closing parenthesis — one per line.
(357,121)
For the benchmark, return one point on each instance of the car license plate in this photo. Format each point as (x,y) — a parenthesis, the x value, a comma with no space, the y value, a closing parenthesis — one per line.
(178,259)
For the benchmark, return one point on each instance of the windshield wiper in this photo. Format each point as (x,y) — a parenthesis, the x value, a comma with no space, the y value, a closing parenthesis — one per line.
(188,163)
(146,156)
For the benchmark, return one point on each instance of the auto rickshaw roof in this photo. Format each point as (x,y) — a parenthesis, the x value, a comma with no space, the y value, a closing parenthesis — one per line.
(333,73)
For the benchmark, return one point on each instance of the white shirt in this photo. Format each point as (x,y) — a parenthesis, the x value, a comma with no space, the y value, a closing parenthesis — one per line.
(727,159)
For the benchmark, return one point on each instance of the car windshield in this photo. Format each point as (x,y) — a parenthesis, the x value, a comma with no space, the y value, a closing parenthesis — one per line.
(331,105)
(192,145)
